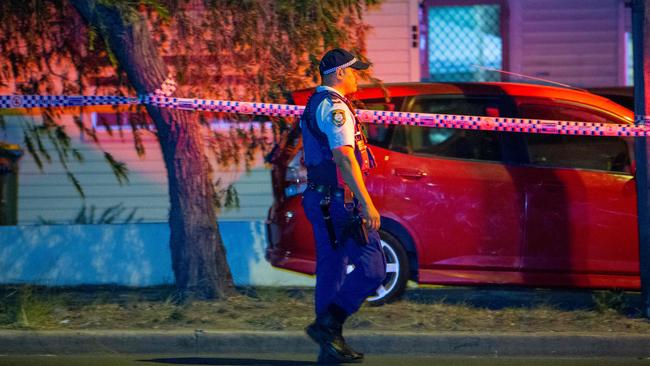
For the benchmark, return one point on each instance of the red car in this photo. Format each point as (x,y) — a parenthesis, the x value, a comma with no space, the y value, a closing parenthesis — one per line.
(466,207)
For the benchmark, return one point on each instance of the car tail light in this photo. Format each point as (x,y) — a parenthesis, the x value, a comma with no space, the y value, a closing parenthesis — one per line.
(296,176)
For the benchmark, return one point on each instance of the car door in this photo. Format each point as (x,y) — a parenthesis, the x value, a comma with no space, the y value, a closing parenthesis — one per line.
(450,188)
(580,196)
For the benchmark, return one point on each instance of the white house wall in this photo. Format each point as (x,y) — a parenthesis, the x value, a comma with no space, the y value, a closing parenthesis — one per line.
(51,197)
(577,42)
(389,42)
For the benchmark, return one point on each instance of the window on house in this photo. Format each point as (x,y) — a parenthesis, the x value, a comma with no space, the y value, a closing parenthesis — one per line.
(460,38)
(110,121)
(629,59)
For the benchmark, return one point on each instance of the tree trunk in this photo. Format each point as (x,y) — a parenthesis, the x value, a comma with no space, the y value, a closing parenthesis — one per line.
(198,255)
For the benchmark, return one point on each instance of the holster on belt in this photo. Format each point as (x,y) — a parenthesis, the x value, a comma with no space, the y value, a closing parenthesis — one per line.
(356,227)
(329,225)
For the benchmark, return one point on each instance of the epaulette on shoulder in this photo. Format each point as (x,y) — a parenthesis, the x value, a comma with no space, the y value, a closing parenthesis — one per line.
(336,101)
(334,98)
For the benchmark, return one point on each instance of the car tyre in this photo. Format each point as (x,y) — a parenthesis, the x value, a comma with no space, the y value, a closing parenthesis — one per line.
(397,271)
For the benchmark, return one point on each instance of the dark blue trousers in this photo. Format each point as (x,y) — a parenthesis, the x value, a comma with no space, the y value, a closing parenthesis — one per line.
(333,285)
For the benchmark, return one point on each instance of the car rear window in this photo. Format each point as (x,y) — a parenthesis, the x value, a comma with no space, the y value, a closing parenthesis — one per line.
(611,154)
(582,152)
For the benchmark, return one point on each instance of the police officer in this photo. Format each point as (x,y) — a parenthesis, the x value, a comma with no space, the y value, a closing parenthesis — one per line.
(337,203)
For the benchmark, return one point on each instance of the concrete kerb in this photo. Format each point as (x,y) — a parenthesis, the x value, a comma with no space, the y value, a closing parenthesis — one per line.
(218,341)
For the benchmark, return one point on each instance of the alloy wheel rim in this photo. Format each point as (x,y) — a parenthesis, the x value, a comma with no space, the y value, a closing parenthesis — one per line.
(392,273)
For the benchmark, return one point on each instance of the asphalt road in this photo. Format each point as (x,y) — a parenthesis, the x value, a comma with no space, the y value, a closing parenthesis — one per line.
(302,359)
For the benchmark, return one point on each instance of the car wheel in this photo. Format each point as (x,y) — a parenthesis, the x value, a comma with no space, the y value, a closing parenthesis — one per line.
(397,271)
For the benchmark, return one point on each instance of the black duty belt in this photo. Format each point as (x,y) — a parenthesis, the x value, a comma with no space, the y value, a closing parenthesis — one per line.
(326,188)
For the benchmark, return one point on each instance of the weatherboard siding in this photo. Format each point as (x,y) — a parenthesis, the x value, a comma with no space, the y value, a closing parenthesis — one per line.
(49,195)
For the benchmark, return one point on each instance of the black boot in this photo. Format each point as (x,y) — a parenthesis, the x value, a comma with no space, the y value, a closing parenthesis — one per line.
(350,350)
(324,358)
(326,331)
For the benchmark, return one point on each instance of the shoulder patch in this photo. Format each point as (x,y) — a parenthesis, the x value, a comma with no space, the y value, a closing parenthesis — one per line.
(338,117)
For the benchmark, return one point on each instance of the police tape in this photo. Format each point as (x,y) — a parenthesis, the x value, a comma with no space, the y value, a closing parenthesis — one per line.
(367,116)
(44,101)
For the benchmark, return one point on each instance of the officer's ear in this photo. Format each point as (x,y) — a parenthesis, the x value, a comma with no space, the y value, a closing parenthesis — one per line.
(340,73)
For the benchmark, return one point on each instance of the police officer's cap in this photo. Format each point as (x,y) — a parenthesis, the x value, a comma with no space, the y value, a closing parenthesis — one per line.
(339,58)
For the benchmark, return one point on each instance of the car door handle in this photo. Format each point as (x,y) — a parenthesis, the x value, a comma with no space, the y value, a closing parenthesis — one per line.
(409,173)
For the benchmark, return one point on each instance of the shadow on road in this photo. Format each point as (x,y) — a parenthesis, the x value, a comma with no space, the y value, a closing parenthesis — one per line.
(227,361)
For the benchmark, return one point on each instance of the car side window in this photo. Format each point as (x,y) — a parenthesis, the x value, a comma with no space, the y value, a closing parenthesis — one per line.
(399,142)
(455,143)
(457,104)
(379,134)
(605,153)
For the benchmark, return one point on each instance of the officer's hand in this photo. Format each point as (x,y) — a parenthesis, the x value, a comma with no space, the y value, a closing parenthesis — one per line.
(371,217)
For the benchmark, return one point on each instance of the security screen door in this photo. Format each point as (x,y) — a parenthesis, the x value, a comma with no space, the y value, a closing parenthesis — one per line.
(460,38)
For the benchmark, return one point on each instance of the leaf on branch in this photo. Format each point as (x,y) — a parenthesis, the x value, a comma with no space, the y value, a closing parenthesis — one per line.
(232,197)
(137,142)
(75,183)
(41,147)
(85,130)
(217,196)
(106,125)
(31,150)
(225,197)
(131,217)
(111,214)
(119,119)
(111,55)
(61,152)
(81,216)
(63,138)
(92,37)
(136,125)
(77,155)
(119,168)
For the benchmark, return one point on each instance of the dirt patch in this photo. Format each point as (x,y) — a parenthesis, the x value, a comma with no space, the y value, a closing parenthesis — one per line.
(425,310)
